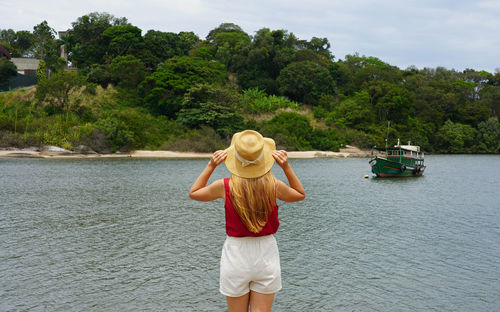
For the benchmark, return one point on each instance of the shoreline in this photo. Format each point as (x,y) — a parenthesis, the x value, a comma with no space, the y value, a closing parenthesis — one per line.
(58,153)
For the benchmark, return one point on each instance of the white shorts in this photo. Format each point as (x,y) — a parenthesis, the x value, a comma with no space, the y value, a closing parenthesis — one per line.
(250,263)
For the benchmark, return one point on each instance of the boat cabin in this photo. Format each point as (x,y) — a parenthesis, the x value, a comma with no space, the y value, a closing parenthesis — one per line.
(405,154)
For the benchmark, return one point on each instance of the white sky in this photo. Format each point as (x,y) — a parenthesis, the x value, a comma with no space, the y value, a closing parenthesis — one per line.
(456,34)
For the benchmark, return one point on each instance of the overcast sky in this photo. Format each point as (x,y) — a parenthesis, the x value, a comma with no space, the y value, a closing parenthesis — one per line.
(456,34)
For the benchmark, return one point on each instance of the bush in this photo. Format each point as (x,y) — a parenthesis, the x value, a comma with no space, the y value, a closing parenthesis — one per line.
(7,70)
(203,140)
(9,139)
(117,133)
(291,131)
(360,139)
(257,101)
(325,140)
(456,138)
(55,91)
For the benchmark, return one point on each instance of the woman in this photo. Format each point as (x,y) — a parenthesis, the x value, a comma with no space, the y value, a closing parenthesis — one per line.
(250,271)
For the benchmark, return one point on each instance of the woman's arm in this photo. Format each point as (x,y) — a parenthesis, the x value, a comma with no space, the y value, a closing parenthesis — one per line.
(200,191)
(294,192)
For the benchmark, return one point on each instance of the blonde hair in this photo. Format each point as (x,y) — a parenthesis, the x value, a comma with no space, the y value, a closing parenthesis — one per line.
(253,199)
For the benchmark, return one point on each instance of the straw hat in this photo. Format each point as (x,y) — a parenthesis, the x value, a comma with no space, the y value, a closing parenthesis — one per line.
(250,154)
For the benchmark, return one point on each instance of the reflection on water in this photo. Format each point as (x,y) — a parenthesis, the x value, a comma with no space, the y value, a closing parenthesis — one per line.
(114,235)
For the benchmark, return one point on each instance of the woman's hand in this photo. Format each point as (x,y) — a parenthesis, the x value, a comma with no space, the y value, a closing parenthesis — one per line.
(217,158)
(295,191)
(281,158)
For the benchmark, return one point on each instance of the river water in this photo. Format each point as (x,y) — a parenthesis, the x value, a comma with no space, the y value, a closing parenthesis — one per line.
(122,235)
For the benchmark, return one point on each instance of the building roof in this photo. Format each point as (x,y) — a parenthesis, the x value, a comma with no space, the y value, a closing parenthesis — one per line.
(24,63)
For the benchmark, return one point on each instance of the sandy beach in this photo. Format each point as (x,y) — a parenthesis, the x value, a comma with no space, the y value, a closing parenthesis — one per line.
(59,153)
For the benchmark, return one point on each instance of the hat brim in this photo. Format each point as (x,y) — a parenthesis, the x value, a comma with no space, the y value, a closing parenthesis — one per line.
(252,170)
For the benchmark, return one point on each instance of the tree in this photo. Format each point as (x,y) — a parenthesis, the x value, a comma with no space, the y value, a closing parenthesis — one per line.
(228,45)
(259,64)
(213,106)
(18,43)
(305,82)
(86,46)
(320,46)
(490,133)
(7,70)
(223,28)
(163,91)
(160,46)
(355,111)
(41,72)
(127,71)
(456,137)
(122,40)
(356,70)
(46,46)
(24,43)
(391,101)
(56,90)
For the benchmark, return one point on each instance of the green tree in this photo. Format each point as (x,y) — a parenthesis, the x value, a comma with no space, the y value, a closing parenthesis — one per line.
(41,72)
(228,45)
(46,46)
(343,75)
(355,111)
(18,43)
(122,40)
(7,70)
(320,46)
(7,39)
(305,82)
(357,70)
(127,71)
(56,90)
(391,101)
(85,43)
(163,91)
(490,133)
(223,28)
(160,46)
(24,43)
(258,65)
(213,106)
(290,130)
(490,94)
(457,138)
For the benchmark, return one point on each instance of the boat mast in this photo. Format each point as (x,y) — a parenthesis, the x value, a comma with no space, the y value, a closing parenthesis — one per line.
(387,136)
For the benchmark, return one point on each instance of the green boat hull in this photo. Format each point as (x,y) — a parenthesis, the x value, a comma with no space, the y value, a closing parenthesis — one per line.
(383,167)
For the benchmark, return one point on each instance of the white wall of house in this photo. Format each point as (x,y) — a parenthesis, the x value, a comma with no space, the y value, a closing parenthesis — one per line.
(25,65)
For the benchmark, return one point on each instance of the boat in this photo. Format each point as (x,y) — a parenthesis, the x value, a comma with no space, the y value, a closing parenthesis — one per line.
(397,161)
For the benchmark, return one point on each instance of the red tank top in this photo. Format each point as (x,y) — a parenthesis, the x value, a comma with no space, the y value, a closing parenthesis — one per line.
(236,228)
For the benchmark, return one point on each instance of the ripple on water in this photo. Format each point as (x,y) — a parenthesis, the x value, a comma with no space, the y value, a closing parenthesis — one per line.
(121,234)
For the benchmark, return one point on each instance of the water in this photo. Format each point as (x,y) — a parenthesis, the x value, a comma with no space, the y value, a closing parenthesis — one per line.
(122,235)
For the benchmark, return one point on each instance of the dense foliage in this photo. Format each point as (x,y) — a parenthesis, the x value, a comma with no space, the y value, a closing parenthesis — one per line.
(165,90)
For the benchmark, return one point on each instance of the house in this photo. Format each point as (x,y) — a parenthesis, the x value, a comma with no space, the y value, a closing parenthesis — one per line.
(26,66)
(26,71)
